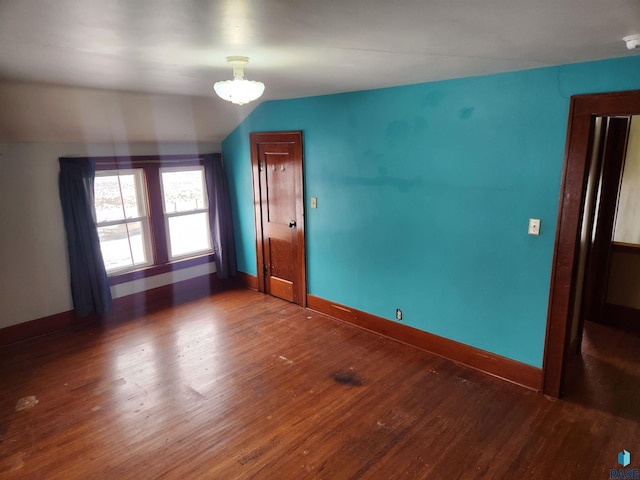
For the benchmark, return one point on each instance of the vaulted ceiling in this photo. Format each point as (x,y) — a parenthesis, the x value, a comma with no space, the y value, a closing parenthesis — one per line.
(123,70)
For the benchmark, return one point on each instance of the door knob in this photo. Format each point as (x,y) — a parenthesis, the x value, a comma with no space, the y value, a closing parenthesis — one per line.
(292,224)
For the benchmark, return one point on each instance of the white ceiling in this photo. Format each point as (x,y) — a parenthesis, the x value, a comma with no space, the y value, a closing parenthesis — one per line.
(167,52)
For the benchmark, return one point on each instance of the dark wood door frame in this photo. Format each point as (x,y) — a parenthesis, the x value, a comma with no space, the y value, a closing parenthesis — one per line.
(583,110)
(294,138)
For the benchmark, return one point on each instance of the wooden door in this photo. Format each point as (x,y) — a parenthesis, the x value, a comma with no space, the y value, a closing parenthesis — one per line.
(279,214)
(597,274)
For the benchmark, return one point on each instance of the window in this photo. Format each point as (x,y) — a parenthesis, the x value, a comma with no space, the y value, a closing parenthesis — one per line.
(152,215)
(184,203)
(121,216)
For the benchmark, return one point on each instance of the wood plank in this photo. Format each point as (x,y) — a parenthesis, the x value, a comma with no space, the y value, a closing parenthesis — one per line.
(243,385)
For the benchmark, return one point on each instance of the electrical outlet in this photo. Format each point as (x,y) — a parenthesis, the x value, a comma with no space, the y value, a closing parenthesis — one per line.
(398,314)
(534,226)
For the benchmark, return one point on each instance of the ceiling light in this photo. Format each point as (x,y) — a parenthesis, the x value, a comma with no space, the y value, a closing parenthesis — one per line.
(633,41)
(239,90)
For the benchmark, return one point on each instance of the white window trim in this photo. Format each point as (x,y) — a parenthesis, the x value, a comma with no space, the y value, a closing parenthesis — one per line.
(168,215)
(141,197)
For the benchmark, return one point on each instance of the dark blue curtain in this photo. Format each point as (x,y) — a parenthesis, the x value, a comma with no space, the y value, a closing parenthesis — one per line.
(220,220)
(89,284)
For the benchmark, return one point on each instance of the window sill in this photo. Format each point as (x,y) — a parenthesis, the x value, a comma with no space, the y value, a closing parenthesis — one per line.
(152,270)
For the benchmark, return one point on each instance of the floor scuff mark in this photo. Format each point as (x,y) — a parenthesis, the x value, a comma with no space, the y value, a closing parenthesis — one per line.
(347,377)
(381,424)
(247,458)
(26,402)
(462,381)
(285,359)
(192,392)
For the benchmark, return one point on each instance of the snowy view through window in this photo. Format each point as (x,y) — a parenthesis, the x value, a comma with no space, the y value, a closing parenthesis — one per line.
(186,210)
(123,220)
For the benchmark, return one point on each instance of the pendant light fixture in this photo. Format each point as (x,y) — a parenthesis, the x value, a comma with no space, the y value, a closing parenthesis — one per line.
(239,90)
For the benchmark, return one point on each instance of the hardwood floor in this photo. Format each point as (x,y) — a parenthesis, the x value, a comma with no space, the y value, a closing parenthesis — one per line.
(606,377)
(241,385)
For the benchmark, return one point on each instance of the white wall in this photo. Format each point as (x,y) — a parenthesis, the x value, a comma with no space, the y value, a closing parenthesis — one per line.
(48,113)
(627,227)
(624,276)
(34,278)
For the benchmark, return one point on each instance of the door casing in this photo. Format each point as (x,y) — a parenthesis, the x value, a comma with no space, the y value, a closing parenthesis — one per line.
(583,111)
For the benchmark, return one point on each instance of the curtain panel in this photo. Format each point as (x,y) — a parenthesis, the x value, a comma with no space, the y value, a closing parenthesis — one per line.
(89,284)
(220,221)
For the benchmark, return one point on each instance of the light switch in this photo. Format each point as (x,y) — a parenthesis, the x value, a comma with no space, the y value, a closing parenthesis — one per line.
(314,202)
(534,226)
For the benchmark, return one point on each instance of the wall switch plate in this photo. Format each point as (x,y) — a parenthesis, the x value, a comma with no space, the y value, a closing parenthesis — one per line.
(314,202)
(534,226)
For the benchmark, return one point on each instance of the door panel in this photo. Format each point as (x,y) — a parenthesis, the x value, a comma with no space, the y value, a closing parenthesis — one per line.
(597,275)
(279,215)
(279,180)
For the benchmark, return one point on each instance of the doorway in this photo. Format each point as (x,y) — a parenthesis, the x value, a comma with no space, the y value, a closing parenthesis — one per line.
(609,145)
(560,338)
(277,168)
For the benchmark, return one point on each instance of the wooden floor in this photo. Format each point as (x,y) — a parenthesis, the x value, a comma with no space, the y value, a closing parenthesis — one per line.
(241,385)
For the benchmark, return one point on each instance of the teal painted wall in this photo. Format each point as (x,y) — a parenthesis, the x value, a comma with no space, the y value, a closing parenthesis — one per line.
(424,195)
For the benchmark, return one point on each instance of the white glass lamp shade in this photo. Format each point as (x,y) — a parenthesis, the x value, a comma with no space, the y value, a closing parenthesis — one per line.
(239,90)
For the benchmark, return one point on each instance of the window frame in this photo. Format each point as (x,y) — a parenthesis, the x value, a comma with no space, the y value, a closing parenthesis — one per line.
(168,215)
(159,252)
(141,198)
